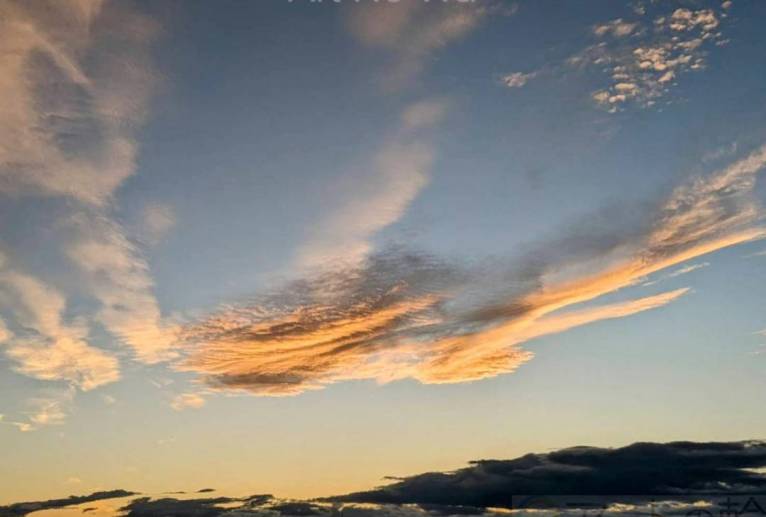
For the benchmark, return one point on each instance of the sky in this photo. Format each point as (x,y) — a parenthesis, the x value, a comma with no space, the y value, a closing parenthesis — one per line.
(295,247)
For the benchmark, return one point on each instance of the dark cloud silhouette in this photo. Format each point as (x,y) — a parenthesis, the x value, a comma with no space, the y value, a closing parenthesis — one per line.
(18,509)
(661,479)
(147,507)
(213,507)
(670,469)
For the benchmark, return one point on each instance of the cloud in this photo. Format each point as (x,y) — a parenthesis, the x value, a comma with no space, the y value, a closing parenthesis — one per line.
(5,334)
(650,469)
(46,347)
(675,479)
(643,68)
(81,78)
(410,32)
(688,269)
(157,220)
(21,509)
(644,57)
(378,197)
(78,74)
(118,277)
(679,272)
(206,507)
(404,315)
(24,427)
(187,401)
(518,79)
(50,408)
(617,28)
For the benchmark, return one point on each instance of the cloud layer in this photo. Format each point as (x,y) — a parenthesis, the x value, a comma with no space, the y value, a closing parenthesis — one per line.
(648,469)
(676,478)
(398,315)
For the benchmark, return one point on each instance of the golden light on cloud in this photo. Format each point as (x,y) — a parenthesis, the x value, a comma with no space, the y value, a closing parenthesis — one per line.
(384,322)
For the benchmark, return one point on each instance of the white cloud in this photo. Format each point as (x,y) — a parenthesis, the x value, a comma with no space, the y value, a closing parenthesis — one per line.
(518,79)
(379,196)
(642,69)
(679,272)
(118,277)
(412,31)
(157,220)
(80,77)
(688,269)
(70,129)
(187,401)
(617,28)
(49,409)
(24,427)
(50,348)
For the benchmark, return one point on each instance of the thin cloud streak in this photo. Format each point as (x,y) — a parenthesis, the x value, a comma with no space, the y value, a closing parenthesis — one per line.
(410,32)
(404,316)
(379,197)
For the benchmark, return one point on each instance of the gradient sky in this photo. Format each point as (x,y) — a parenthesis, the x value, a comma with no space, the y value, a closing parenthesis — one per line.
(295,247)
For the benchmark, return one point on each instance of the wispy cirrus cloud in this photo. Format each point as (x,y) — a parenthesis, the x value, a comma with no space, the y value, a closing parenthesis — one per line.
(78,97)
(400,315)
(49,408)
(81,78)
(380,194)
(157,220)
(410,32)
(690,268)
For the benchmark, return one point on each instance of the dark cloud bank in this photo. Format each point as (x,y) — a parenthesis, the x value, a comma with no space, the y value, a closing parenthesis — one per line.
(677,478)
(18,509)
(677,468)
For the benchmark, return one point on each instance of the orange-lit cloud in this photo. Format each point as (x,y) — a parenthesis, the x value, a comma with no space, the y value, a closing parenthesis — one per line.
(403,317)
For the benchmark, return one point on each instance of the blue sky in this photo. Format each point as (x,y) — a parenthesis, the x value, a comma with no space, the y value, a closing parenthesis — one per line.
(344,240)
